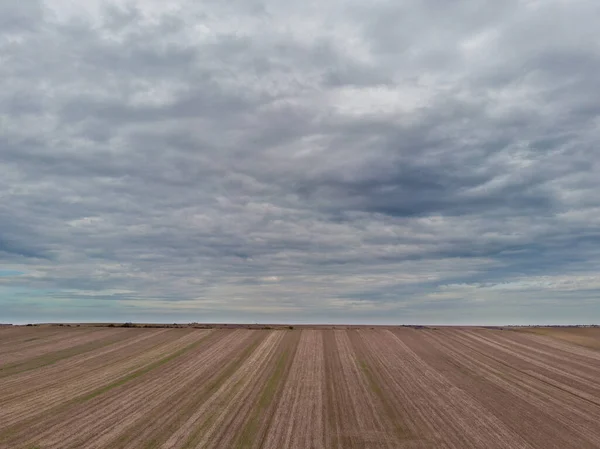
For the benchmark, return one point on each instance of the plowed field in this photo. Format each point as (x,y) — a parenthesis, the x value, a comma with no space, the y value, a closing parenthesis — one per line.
(90,387)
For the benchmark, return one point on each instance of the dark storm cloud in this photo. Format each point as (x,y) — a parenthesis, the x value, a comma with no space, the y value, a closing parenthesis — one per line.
(412,161)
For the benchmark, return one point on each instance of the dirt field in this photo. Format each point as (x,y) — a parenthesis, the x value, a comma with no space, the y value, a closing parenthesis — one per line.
(300,388)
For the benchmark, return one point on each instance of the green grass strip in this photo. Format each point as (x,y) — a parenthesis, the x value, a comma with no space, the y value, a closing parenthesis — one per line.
(139,372)
(401,431)
(54,357)
(213,387)
(248,435)
(7,433)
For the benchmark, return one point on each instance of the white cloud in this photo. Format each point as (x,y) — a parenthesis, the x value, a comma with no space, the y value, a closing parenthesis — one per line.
(327,160)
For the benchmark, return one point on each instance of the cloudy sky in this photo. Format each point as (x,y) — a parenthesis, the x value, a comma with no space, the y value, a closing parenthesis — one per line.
(389,161)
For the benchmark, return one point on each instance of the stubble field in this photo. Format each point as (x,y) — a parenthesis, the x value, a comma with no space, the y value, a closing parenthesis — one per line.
(93,387)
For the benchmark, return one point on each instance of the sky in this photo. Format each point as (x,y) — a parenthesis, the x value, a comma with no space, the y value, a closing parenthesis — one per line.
(332,161)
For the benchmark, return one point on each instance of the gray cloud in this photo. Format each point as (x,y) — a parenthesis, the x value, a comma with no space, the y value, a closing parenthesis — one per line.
(401,162)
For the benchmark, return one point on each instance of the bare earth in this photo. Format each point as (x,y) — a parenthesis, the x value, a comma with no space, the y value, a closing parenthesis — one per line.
(299,388)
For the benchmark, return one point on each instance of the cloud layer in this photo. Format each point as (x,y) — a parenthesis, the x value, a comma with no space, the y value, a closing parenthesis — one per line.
(393,162)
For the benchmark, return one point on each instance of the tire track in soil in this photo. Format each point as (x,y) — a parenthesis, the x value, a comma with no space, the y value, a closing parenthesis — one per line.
(546,346)
(470,372)
(32,340)
(218,421)
(108,415)
(14,336)
(158,424)
(244,389)
(70,348)
(353,417)
(215,425)
(513,363)
(577,415)
(453,418)
(258,420)
(402,425)
(562,372)
(415,431)
(36,406)
(33,382)
(64,414)
(572,367)
(298,420)
(569,339)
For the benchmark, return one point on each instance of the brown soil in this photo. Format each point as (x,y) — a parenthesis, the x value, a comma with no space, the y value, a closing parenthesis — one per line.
(307,387)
